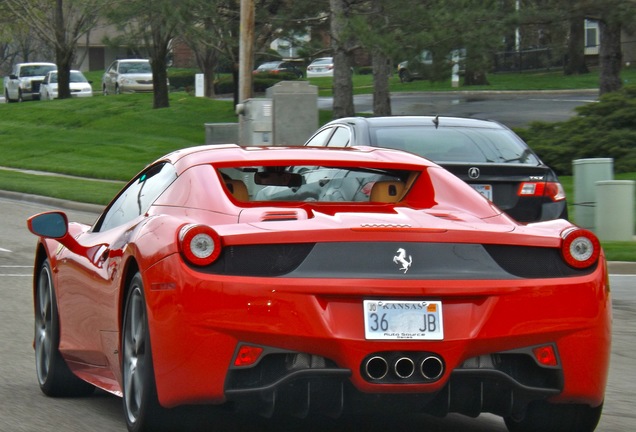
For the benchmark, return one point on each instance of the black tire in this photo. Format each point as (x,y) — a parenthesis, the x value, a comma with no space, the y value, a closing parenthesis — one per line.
(6,97)
(117,91)
(104,90)
(54,376)
(141,406)
(20,96)
(405,76)
(546,417)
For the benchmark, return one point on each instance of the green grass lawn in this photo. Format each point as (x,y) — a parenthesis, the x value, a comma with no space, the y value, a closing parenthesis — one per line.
(114,137)
(104,137)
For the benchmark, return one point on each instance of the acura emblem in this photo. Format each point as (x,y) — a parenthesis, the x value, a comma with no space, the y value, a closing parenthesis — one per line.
(473,172)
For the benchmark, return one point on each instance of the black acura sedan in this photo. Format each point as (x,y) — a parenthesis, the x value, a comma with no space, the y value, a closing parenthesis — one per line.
(485,154)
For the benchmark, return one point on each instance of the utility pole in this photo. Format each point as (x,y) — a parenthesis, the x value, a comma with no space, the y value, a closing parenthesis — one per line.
(246,50)
(246,60)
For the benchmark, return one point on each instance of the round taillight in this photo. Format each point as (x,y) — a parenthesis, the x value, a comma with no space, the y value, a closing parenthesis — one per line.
(580,248)
(199,244)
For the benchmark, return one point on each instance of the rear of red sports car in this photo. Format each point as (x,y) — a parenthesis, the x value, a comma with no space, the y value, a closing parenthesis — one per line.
(323,307)
(305,280)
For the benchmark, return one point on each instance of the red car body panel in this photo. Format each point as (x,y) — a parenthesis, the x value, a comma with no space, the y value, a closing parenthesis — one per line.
(197,320)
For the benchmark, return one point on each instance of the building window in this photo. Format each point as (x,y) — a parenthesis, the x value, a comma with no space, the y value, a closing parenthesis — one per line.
(592,37)
(591,34)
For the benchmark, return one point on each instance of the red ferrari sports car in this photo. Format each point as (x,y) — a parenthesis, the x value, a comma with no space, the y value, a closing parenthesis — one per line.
(316,280)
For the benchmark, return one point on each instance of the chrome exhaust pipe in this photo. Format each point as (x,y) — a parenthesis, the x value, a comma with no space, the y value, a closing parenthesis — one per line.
(432,367)
(404,367)
(376,368)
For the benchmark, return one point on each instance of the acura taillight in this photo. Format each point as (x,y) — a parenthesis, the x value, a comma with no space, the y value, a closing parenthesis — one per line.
(580,248)
(199,244)
(552,190)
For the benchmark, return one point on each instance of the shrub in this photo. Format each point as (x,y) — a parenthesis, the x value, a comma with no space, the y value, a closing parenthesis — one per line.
(606,129)
(181,79)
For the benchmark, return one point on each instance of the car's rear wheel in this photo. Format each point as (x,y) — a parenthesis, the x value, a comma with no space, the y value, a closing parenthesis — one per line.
(54,376)
(542,416)
(405,76)
(141,406)
(104,90)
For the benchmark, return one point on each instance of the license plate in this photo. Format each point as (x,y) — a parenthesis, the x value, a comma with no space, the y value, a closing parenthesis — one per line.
(389,319)
(484,189)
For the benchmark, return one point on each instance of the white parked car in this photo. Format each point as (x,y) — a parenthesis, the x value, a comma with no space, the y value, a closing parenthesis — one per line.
(24,81)
(321,67)
(80,86)
(128,76)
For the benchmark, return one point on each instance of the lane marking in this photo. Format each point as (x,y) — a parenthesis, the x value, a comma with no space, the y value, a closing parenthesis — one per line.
(15,267)
(4,250)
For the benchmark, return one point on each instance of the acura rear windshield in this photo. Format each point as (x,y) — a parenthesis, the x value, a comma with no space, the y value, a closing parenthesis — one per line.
(459,144)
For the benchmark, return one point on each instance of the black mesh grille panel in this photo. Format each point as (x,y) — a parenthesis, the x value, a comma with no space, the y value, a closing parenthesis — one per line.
(260,260)
(533,262)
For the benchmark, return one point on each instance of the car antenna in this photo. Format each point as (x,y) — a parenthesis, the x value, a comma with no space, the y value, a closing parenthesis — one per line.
(436,121)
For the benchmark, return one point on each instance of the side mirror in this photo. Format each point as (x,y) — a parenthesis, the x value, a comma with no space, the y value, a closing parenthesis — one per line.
(50,224)
(54,225)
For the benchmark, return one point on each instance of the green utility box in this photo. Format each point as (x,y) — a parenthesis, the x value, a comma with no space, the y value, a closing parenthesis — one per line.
(586,173)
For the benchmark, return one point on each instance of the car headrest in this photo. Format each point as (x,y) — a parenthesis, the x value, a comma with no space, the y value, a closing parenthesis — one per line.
(387,191)
(238,189)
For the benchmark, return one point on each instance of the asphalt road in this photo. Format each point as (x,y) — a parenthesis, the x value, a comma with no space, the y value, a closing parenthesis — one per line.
(514,109)
(25,408)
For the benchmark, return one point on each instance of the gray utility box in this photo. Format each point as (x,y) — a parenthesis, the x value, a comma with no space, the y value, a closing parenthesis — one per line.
(221,133)
(295,112)
(586,173)
(288,116)
(256,127)
(615,210)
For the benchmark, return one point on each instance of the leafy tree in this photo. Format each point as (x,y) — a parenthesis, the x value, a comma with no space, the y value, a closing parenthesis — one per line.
(213,30)
(151,24)
(60,24)
(342,46)
(575,57)
(614,17)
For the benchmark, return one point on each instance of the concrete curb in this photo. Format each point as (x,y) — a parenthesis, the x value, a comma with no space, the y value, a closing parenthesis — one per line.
(52,202)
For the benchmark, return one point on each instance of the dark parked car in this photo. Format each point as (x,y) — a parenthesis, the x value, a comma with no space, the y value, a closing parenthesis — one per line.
(277,67)
(485,154)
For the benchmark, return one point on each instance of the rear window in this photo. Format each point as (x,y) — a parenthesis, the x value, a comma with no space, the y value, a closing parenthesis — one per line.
(321,184)
(459,145)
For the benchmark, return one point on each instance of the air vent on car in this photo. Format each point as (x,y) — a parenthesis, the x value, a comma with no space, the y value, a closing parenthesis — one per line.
(279,216)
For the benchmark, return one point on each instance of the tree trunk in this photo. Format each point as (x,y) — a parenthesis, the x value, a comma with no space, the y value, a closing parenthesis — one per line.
(342,83)
(62,54)
(160,83)
(63,62)
(610,57)
(381,95)
(159,54)
(575,57)
(208,80)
